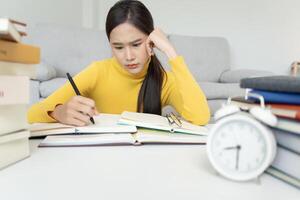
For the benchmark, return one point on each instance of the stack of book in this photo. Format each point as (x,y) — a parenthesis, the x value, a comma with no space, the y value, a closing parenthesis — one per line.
(282,97)
(17,62)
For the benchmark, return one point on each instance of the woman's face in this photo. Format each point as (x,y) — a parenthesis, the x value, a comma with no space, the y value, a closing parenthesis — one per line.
(129,47)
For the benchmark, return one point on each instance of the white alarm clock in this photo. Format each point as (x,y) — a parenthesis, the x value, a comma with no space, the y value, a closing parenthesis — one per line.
(239,146)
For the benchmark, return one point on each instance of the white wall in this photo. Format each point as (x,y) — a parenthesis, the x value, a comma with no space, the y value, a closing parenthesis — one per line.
(67,12)
(263,34)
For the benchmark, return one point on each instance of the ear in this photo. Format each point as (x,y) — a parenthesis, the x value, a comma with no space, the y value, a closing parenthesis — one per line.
(227,109)
(264,115)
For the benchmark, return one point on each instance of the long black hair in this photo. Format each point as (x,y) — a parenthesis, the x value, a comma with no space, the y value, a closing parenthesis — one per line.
(136,13)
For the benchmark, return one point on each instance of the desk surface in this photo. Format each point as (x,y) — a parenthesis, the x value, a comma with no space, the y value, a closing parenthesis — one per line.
(129,172)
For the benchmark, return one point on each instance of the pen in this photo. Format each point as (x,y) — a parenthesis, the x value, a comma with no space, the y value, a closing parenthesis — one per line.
(77,91)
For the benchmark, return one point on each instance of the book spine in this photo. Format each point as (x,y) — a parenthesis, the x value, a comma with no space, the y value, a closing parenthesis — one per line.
(14,90)
(288,162)
(13,147)
(18,69)
(20,53)
(13,118)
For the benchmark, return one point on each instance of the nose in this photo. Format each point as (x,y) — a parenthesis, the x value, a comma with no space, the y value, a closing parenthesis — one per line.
(129,54)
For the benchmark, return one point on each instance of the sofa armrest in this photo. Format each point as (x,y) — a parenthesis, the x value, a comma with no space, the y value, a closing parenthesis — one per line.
(34,91)
(234,76)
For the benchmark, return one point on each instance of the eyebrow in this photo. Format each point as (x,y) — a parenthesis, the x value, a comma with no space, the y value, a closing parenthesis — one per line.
(135,41)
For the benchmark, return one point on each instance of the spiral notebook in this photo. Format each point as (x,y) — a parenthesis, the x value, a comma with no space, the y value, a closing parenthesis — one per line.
(143,136)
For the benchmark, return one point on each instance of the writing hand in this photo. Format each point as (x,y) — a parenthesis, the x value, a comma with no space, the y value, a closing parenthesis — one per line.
(77,111)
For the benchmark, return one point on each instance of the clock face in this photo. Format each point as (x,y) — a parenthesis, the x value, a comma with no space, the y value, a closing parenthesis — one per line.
(240,148)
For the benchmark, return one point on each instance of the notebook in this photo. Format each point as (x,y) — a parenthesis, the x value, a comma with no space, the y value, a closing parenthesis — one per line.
(104,123)
(273,83)
(278,97)
(152,121)
(143,136)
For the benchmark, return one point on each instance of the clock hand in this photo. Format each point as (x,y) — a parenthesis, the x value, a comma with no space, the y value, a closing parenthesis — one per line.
(230,148)
(238,148)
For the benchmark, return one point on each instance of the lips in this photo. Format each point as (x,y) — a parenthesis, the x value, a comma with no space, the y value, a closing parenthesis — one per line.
(132,66)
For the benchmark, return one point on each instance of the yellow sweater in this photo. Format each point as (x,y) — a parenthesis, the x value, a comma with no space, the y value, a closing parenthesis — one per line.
(115,90)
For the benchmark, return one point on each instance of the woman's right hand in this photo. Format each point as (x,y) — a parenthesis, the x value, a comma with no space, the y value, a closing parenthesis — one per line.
(77,111)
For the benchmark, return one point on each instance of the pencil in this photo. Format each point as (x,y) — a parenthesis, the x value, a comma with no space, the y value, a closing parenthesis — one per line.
(77,92)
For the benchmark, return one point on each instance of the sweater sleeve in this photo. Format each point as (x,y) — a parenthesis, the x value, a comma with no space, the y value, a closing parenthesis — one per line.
(85,81)
(185,95)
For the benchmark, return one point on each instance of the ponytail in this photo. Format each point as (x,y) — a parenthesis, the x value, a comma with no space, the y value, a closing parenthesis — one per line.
(149,99)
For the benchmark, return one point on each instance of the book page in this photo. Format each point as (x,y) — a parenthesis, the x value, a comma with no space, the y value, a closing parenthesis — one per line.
(201,130)
(104,123)
(162,137)
(88,140)
(158,122)
(145,118)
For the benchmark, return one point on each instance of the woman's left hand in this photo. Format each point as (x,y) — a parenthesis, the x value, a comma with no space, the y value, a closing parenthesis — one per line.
(158,39)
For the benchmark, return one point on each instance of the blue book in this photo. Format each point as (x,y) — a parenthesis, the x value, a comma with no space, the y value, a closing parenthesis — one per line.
(279,97)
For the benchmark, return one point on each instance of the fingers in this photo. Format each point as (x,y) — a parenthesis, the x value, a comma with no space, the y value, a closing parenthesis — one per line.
(77,118)
(149,46)
(83,104)
(85,101)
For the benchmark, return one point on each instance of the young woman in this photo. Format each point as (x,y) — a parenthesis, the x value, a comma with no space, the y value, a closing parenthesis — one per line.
(133,79)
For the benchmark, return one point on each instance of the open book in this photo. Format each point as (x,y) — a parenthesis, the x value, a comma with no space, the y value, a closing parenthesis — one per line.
(152,121)
(143,136)
(104,123)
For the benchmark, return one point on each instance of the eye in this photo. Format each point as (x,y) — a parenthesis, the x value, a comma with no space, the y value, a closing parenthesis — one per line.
(118,48)
(136,44)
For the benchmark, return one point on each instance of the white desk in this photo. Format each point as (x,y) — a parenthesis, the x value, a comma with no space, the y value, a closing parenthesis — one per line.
(129,172)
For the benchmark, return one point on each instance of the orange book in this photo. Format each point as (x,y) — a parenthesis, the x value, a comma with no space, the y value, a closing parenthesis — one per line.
(18,52)
(281,110)
(294,110)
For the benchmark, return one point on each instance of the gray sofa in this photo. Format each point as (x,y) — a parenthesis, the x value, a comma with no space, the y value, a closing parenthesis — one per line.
(70,49)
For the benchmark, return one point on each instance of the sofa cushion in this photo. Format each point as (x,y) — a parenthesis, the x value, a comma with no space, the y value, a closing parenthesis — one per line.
(234,76)
(45,72)
(68,49)
(207,57)
(48,87)
(221,90)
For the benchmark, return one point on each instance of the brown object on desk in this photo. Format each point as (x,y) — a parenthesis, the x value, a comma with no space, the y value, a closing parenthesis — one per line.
(295,68)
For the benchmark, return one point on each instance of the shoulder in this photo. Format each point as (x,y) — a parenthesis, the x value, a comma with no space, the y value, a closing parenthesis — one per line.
(169,79)
(100,66)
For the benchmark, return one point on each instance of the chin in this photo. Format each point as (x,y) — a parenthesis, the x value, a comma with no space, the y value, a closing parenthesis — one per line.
(134,71)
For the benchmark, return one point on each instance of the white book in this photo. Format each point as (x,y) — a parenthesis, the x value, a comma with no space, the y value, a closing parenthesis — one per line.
(284,177)
(13,118)
(13,147)
(18,69)
(288,162)
(14,90)
(143,136)
(8,31)
(152,121)
(288,125)
(288,140)
(104,123)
